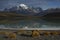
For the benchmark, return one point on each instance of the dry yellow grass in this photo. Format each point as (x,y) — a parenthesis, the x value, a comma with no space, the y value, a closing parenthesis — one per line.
(35,33)
(55,33)
(47,33)
(12,36)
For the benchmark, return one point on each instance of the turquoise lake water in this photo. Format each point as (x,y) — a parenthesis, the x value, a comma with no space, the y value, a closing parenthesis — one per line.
(30,23)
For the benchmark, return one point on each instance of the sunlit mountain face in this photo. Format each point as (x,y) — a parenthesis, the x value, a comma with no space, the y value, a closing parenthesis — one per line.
(24,6)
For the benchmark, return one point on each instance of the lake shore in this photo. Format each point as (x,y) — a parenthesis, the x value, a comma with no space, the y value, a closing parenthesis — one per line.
(26,34)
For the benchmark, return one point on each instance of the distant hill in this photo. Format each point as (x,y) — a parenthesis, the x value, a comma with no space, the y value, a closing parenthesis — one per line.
(52,13)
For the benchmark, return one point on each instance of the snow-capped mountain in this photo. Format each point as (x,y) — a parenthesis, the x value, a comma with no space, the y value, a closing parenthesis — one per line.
(23,6)
(24,9)
(33,11)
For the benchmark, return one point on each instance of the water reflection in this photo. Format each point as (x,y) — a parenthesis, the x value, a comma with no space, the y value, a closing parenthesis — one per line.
(31,23)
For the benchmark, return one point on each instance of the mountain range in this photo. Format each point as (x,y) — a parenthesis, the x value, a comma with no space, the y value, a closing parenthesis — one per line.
(24,9)
(33,11)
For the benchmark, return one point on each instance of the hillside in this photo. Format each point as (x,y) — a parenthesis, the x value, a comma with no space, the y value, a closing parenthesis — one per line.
(52,13)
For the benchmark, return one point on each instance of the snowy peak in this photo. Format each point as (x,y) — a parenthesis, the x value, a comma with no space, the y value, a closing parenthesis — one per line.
(22,6)
(24,9)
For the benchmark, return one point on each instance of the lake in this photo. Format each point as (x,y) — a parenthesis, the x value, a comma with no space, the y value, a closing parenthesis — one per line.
(30,23)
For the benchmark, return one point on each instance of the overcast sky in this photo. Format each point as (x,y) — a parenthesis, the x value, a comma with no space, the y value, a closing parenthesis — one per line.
(36,3)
